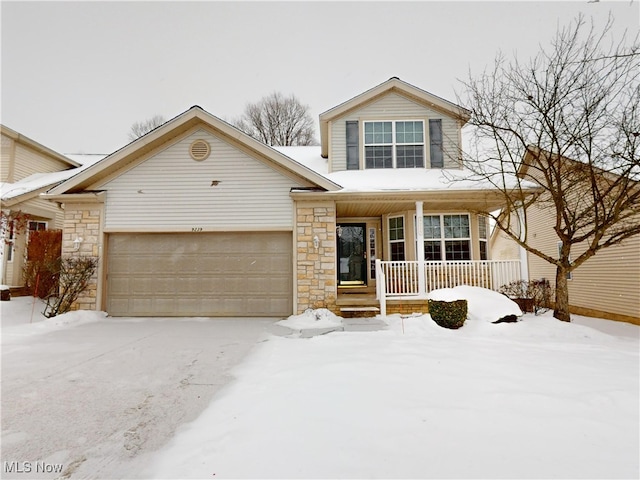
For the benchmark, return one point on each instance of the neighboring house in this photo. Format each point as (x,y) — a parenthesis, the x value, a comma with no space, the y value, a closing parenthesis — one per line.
(198,219)
(27,169)
(605,286)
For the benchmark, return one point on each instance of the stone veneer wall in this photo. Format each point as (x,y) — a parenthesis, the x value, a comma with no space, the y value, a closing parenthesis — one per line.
(316,267)
(83,221)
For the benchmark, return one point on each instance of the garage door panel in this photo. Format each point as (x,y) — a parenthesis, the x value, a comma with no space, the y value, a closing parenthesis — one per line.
(230,274)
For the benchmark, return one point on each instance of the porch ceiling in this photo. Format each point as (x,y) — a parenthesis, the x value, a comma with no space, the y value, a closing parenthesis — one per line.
(376,205)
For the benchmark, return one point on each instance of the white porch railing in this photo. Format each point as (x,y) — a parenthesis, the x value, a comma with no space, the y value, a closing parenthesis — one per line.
(415,279)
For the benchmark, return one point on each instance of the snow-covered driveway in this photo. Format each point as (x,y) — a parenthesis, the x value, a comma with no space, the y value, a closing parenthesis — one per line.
(93,401)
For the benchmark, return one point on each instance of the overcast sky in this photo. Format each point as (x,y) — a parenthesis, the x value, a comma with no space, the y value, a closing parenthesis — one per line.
(76,75)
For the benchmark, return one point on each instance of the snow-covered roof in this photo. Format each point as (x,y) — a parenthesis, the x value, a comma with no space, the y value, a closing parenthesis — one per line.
(389,180)
(36,182)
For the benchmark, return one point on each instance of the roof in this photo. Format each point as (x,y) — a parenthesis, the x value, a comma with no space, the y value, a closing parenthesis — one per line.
(394,179)
(31,186)
(395,85)
(24,140)
(183,122)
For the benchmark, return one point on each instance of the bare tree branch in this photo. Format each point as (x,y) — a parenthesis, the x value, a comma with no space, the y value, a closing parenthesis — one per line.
(278,121)
(568,121)
(138,129)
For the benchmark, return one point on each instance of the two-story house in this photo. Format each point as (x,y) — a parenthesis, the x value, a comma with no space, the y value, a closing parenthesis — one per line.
(197,218)
(27,169)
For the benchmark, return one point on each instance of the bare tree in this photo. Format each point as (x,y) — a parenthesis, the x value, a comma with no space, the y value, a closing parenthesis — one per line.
(568,122)
(139,129)
(278,121)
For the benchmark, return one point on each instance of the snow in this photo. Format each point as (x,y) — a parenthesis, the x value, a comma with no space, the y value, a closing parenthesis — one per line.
(25,314)
(392,180)
(319,318)
(36,181)
(538,398)
(482,304)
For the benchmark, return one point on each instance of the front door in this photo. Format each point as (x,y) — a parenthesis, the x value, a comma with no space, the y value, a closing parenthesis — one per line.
(352,254)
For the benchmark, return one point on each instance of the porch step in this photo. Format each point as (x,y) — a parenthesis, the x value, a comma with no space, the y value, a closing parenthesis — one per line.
(359,309)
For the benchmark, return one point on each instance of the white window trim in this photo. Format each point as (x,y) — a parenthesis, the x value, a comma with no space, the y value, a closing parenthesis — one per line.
(394,144)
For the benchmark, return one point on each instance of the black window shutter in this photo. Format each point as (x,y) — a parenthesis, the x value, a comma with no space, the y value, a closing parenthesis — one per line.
(435,134)
(353,160)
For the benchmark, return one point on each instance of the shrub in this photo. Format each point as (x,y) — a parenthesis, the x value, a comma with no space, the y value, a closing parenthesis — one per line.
(537,292)
(448,314)
(74,275)
(43,250)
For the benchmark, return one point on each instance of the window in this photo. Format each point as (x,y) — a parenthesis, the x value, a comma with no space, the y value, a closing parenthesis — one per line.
(396,238)
(447,237)
(372,252)
(483,236)
(37,226)
(398,144)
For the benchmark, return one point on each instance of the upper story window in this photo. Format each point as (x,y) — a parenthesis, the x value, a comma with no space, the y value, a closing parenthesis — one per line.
(394,144)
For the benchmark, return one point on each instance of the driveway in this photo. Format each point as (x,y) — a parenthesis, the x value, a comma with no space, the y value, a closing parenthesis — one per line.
(95,400)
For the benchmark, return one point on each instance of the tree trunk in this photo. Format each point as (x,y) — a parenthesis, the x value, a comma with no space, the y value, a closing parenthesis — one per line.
(561,311)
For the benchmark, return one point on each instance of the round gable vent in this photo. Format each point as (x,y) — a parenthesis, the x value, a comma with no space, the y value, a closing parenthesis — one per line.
(199,150)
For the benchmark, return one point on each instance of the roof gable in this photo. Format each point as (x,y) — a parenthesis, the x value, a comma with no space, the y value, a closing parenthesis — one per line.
(393,85)
(174,128)
(38,147)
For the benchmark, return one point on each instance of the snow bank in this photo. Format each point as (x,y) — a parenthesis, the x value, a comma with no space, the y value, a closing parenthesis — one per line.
(319,318)
(23,316)
(482,304)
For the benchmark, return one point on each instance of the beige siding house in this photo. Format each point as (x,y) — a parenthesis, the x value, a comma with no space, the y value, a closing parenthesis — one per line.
(27,169)
(198,219)
(605,286)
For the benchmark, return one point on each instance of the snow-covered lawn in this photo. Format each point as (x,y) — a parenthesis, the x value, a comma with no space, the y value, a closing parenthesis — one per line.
(534,399)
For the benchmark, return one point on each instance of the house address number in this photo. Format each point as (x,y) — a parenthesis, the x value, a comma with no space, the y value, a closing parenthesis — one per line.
(196,229)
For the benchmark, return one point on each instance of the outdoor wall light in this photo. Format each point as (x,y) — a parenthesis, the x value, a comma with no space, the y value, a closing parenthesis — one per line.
(76,243)
(316,242)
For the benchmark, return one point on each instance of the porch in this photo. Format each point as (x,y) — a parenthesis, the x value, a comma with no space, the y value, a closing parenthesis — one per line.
(409,282)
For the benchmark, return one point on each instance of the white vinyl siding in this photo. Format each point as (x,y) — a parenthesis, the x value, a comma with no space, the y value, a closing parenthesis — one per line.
(22,161)
(171,191)
(393,107)
(28,162)
(6,152)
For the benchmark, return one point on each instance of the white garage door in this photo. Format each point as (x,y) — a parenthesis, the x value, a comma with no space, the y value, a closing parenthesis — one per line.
(203,274)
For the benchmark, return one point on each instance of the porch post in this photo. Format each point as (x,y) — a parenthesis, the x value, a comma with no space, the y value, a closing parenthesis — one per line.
(422,286)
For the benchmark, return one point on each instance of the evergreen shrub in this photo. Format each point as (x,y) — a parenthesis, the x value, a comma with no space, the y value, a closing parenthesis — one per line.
(448,314)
